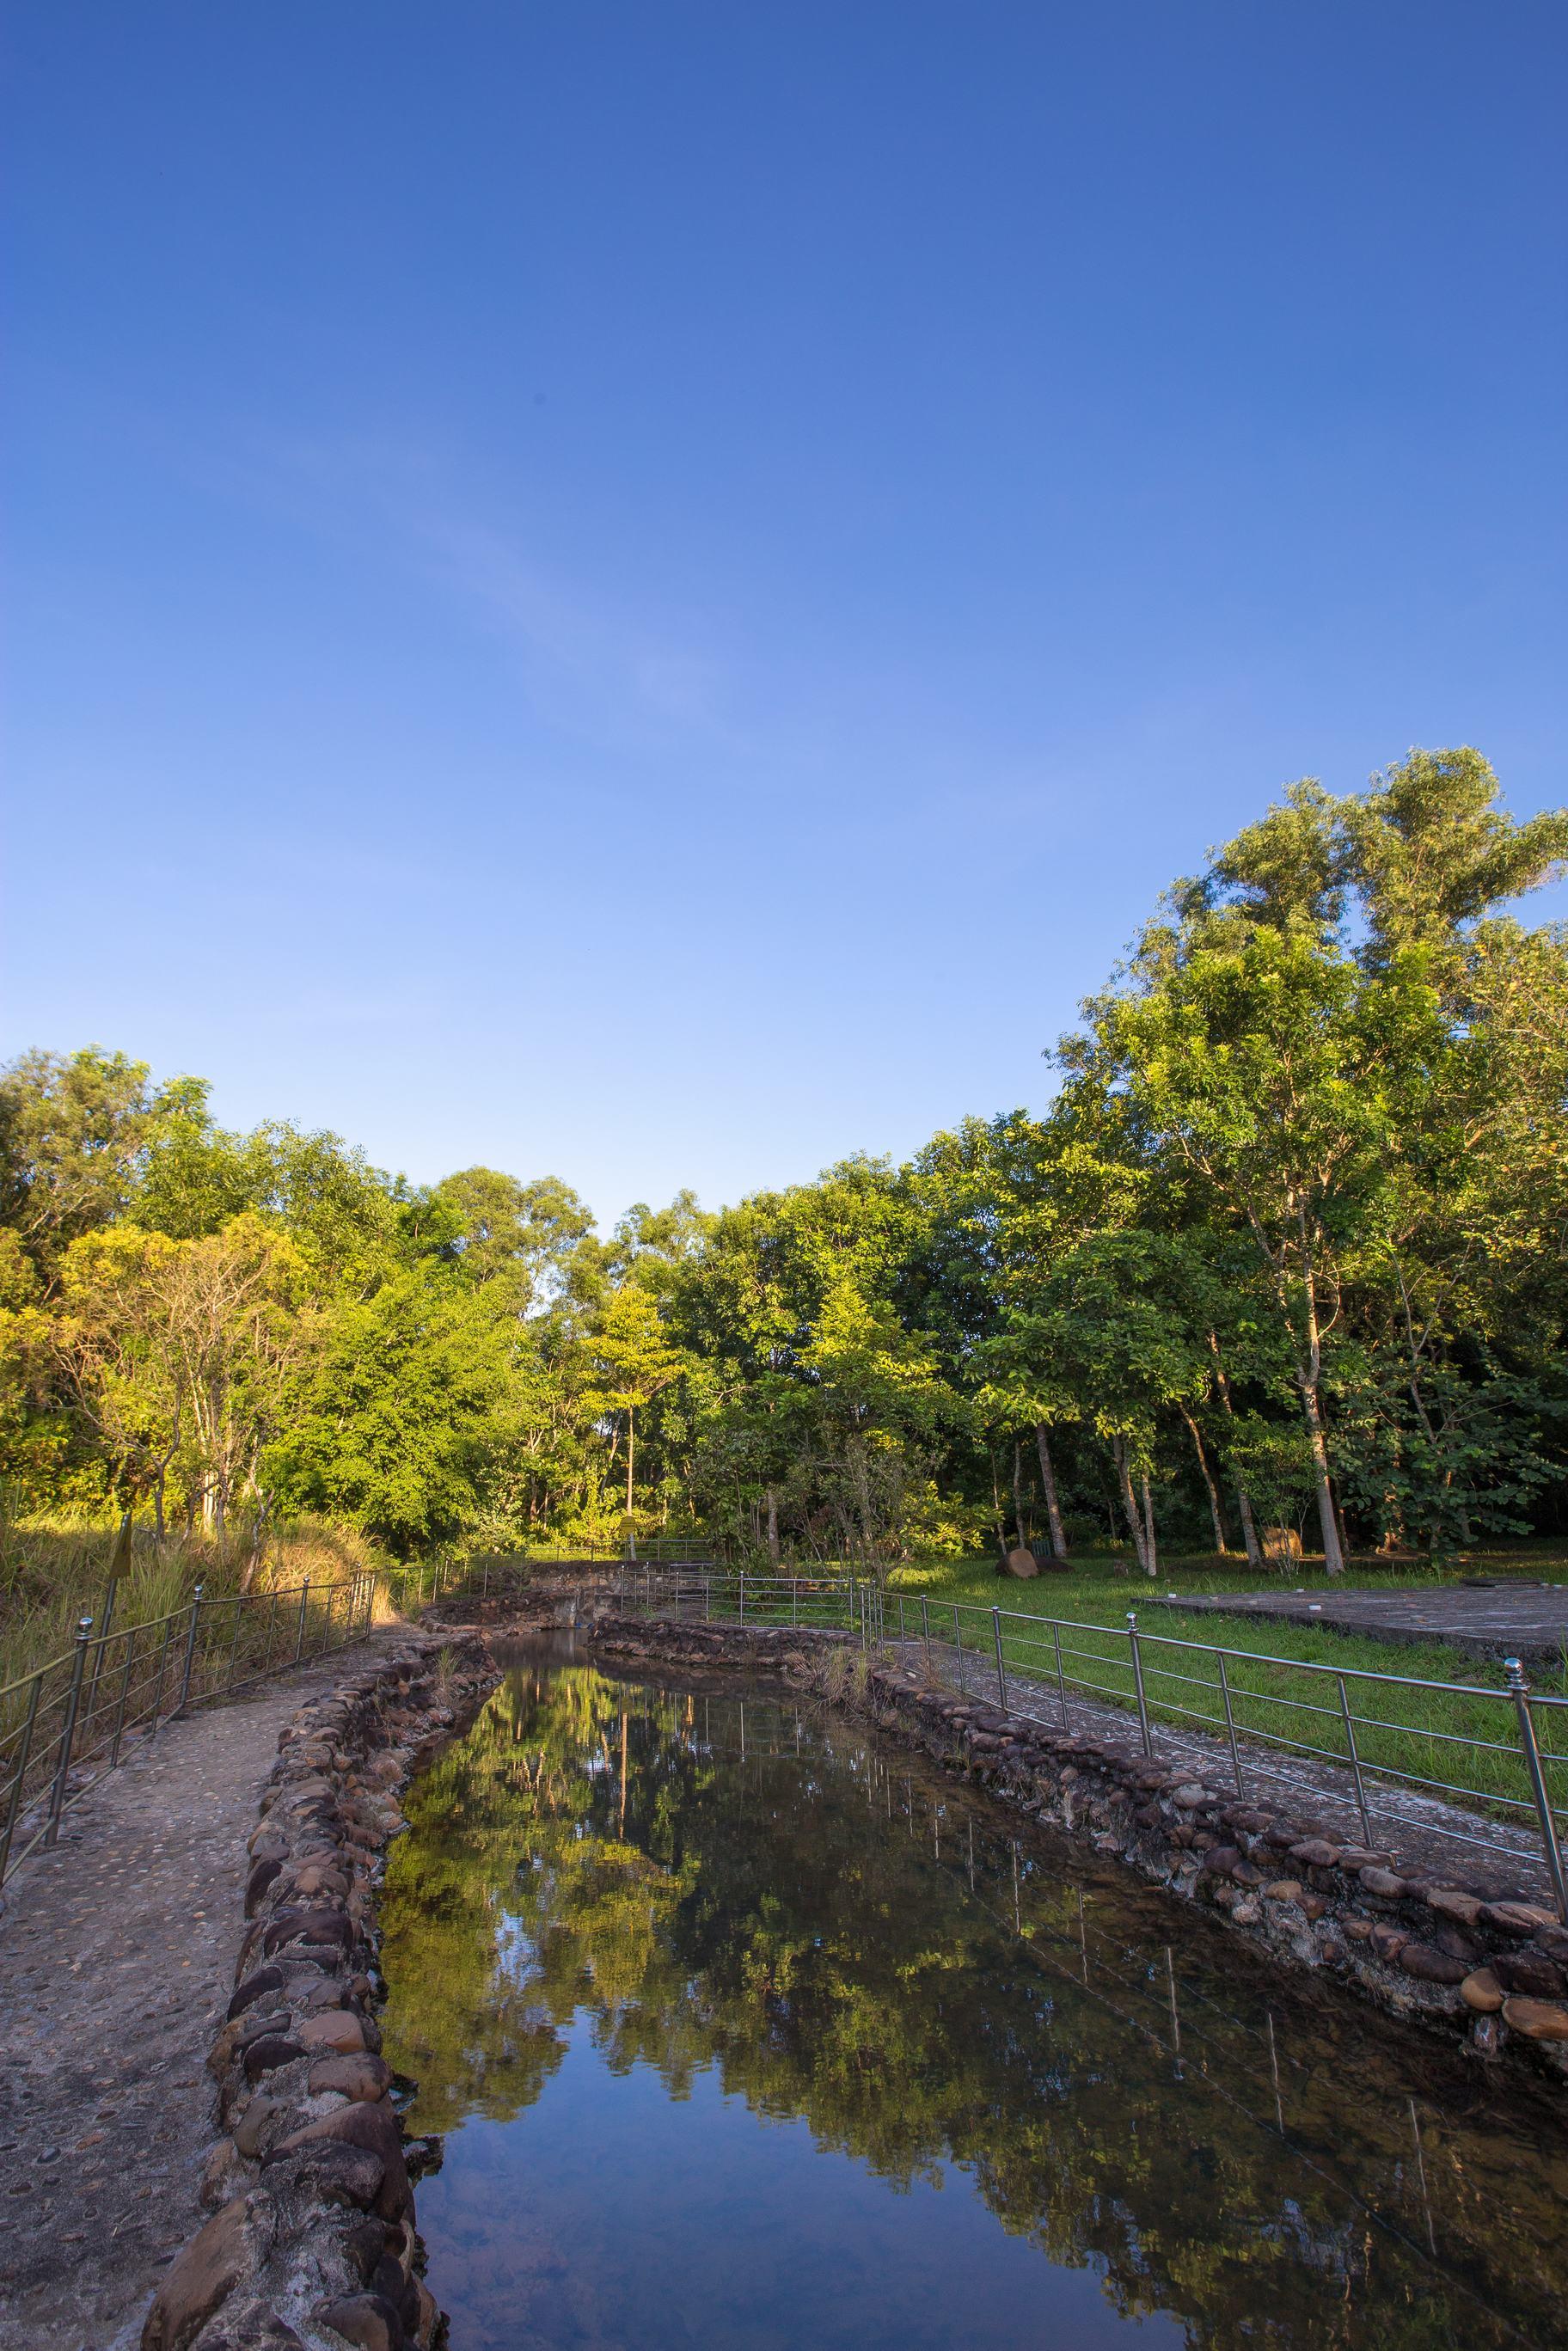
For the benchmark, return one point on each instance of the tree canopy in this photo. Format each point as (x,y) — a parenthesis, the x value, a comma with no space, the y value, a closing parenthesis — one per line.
(1285,1252)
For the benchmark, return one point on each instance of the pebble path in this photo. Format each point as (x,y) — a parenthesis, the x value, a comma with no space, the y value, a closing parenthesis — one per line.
(116,1964)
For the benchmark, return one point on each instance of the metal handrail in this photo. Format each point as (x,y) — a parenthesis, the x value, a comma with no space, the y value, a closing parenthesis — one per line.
(975,1631)
(45,1764)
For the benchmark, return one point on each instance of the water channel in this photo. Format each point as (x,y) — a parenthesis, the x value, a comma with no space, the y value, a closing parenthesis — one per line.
(745,2028)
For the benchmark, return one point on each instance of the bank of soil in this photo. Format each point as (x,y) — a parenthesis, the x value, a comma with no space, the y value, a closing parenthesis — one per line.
(116,1964)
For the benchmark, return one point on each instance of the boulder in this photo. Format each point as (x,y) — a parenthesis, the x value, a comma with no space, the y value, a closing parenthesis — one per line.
(233,2244)
(1022,1563)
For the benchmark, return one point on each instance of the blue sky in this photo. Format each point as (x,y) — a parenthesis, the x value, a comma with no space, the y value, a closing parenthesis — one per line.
(652,590)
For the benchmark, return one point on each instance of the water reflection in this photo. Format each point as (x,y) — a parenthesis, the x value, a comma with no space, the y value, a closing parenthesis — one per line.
(746,2029)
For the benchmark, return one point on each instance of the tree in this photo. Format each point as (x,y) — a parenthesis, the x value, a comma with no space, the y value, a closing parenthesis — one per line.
(636,1361)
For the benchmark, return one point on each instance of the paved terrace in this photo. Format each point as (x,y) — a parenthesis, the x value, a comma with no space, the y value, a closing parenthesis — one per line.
(1495,1620)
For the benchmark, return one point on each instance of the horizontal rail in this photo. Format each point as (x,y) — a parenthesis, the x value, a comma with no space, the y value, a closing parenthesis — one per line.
(1004,1648)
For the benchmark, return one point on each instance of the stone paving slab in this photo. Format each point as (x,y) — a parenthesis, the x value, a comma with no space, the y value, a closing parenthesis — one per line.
(1500,1620)
(116,1964)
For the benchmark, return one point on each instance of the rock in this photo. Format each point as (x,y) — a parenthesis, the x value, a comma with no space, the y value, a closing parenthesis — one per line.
(1358,1930)
(344,2174)
(1389,1942)
(1486,2035)
(1449,1902)
(316,1877)
(1022,1563)
(1382,1882)
(1315,1851)
(365,2245)
(337,2029)
(1363,1856)
(252,2136)
(1520,1918)
(356,2076)
(366,2319)
(1431,1966)
(1312,1906)
(224,2176)
(232,2243)
(1220,1860)
(1530,1973)
(256,1884)
(1245,1913)
(429,2316)
(251,2329)
(265,1980)
(316,1926)
(1482,1992)
(1537,2020)
(272,2050)
(372,2128)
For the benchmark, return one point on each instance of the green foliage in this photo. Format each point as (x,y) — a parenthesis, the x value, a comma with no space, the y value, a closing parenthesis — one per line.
(1287,1249)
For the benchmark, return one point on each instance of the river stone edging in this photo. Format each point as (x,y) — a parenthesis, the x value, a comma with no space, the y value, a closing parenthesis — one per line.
(1494,1973)
(311,2244)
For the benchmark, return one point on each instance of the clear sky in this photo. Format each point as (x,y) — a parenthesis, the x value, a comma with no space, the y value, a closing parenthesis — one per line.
(651,591)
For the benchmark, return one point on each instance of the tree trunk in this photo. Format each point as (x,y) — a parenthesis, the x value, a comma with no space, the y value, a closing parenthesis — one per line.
(1021,1530)
(1310,1377)
(1250,1543)
(1334,1557)
(1209,1487)
(631,1459)
(1048,1484)
(1150,1557)
(996,1512)
(1129,1503)
(773,1525)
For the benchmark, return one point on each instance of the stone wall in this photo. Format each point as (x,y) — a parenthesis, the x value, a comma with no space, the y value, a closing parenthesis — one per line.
(1494,1973)
(311,2244)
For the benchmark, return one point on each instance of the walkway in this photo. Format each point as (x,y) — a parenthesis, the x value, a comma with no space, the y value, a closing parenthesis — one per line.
(116,1965)
(1498,1620)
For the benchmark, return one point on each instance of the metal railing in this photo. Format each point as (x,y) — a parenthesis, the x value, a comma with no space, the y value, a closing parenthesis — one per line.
(66,1724)
(1496,1759)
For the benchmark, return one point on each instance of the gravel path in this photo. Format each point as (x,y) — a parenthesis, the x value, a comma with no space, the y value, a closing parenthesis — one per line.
(116,1964)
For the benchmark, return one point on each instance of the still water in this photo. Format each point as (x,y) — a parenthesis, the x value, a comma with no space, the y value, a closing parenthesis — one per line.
(746,2029)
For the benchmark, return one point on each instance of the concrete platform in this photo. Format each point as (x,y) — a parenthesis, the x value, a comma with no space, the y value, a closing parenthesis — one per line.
(1498,1620)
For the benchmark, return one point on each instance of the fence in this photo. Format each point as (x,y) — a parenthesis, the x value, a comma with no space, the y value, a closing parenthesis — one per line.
(1495,1761)
(65,1725)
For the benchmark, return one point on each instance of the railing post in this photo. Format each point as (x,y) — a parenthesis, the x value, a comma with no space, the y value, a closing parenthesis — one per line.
(68,1728)
(190,1648)
(1355,1759)
(1060,1676)
(1138,1680)
(130,1639)
(299,1620)
(1231,1721)
(1001,1669)
(743,1595)
(13,1809)
(164,1647)
(794,1599)
(1519,1689)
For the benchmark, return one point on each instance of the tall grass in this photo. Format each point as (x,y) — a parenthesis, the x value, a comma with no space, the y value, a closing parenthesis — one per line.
(54,1571)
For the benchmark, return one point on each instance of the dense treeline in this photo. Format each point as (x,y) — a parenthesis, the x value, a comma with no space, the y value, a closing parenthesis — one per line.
(1286,1252)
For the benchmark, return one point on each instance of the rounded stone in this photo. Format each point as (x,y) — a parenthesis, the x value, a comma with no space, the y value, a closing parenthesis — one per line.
(1537,2020)
(1482,1992)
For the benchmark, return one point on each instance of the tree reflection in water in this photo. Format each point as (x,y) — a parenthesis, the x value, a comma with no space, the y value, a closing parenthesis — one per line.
(702,1885)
